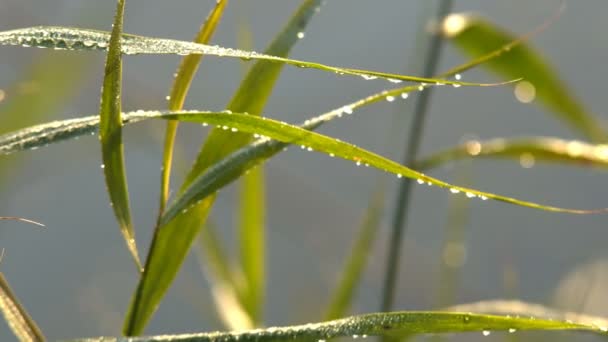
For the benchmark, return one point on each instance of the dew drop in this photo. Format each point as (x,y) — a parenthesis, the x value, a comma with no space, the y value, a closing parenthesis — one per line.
(309,149)
(390,98)
(483,198)
(332,155)
(348,110)
(102,166)
(205,124)
(421,87)
(486,333)
(303,147)
(168,98)
(512,330)
(420,181)
(404,95)
(454,191)
(399,175)
(456,85)
(300,35)
(234,129)
(394,80)
(470,195)
(358,163)
(458,77)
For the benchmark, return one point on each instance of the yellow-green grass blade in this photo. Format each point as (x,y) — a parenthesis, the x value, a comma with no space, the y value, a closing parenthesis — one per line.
(525,150)
(476,36)
(17,318)
(110,135)
(231,168)
(343,296)
(394,324)
(69,38)
(223,279)
(181,85)
(252,241)
(167,251)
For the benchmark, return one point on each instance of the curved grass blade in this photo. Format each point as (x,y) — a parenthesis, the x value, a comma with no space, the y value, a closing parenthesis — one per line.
(69,38)
(168,252)
(228,170)
(224,283)
(476,36)
(394,324)
(351,276)
(181,85)
(110,135)
(21,219)
(19,321)
(543,149)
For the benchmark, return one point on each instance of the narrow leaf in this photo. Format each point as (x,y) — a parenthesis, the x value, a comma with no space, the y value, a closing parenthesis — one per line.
(22,325)
(351,276)
(539,149)
(68,38)
(168,251)
(181,85)
(393,324)
(224,284)
(110,134)
(476,36)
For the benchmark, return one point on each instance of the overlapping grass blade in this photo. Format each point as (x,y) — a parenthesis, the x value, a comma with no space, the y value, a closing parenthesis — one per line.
(541,149)
(343,296)
(85,39)
(394,324)
(223,280)
(167,251)
(181,85)
(476,36)
(17,318)
(110,134)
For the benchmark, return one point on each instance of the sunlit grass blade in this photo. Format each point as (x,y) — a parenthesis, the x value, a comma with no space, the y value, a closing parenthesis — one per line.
(525,151)
(110,134)
(181,85)
(394,324)
(252,241)
(168,252)
(343,296)
(85,39)
(17,318)
(223,281)
(476,36)
(520,308)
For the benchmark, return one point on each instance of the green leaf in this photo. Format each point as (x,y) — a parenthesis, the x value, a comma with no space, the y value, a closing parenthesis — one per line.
(168,251)
(68,38)
(252,241)
(110,134)
(525,150)
(223,281)
(351,276)
(393,324)
(181,85)
(476,36)
(22,325)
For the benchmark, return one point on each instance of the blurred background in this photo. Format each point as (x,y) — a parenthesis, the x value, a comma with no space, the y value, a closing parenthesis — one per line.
(76,278)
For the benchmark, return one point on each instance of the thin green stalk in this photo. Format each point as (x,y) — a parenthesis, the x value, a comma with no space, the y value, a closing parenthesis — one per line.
(413,143)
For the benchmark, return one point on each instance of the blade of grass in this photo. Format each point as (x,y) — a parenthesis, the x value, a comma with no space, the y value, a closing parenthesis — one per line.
(181,84)
(85,39)
(476,36)
(228,170)
(393,324)
(252,241)
(19,321)
(414,138)
(110,135)
(167,252)
(225,288)
(343,294)
(542,149)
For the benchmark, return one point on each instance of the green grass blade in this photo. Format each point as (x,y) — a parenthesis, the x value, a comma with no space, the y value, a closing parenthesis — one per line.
(228,170)
(22,325)
(224,283)
(395,324)
(539,149)
(181,85)
(252,241)
(167,251)
(110,134)
(476,36)
(85,39)
(343,295)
